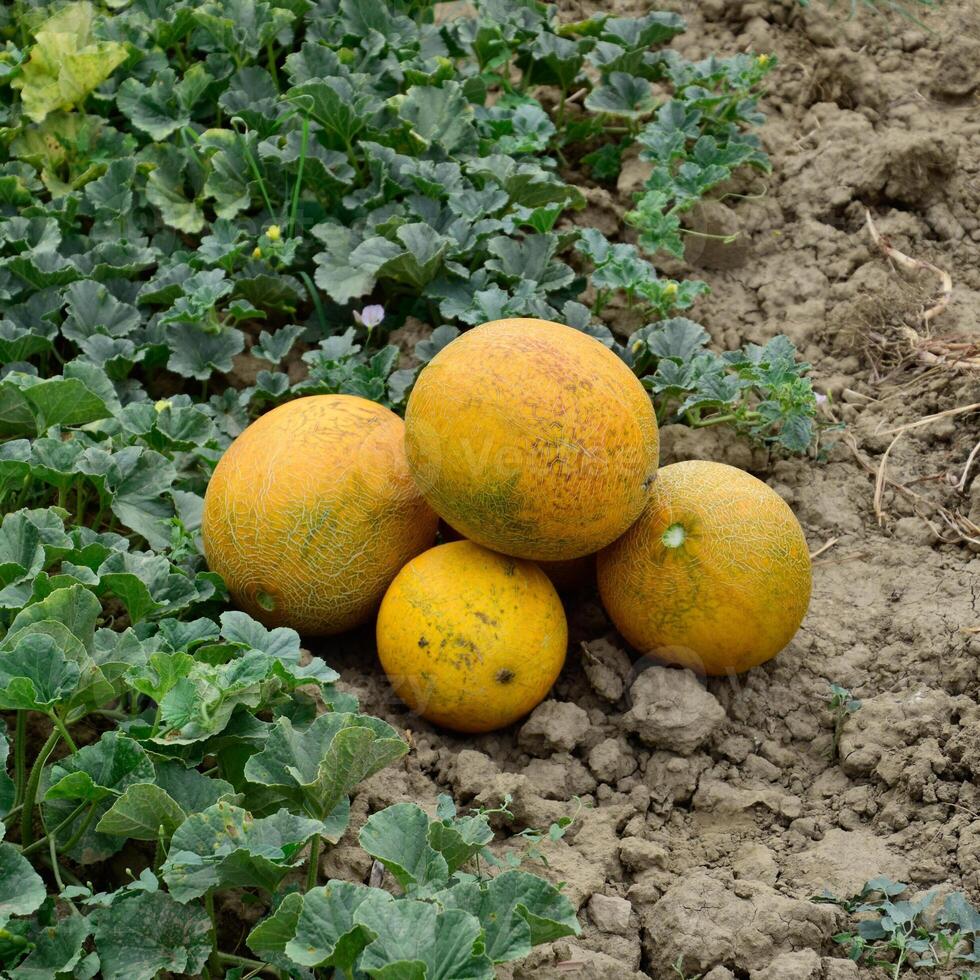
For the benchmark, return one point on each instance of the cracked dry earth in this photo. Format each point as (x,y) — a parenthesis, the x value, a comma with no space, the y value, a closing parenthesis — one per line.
(712,814)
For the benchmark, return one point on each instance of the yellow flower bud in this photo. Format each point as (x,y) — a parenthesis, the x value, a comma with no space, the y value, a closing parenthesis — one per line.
(274,233)
(670,289)
(162,404)
(256,252)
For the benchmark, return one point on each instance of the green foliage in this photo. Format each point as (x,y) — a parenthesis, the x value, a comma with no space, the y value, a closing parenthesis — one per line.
(444,922)
(903,936)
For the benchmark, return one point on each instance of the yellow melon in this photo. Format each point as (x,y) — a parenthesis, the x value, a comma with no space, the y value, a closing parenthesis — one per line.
(471,639)
(312,511)
(715,575)
(533,439)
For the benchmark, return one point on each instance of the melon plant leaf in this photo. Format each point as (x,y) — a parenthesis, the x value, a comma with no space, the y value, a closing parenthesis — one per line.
(143,812)
(318,767)
(622,95)
(31,407)
(189,788)
(21,888)
(35,675)
(398,837)
(273,933)
(224,846)
(458,840)
(99,772)
(199,352)
(325,933)
(66,63)
(414,939)
(517,911)
(146,932)
(58,947)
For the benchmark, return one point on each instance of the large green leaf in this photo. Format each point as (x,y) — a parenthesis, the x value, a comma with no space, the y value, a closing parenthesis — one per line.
(517,911)
(325,932)
(398,837)
(58,947)
(225,847)
(66,63)
(318,767)
(143,812)
(97,773)
(21,889)
(35,675)
(147,932)
(414,939)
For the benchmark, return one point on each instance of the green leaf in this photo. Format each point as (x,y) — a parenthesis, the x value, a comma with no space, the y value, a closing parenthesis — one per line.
(199,352)
(143,812)
(21,889)
(959,912)
(622,95)
(225,847)
(273,933)
(517,911)
(99,772)
(58,947)
(66,64)
(319,767)
(398,837)
(147,932)
(164,106)
(459,840)
(440,116)
(35,675)
(190,789)
(413,939)
(30,406)
(325,933)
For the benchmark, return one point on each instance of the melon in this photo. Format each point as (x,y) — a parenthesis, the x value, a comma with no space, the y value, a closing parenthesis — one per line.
(470,639)
(715,575)
(532,439)
(312,511)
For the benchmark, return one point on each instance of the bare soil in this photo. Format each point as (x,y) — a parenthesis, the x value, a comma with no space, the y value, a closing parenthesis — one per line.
(710,815)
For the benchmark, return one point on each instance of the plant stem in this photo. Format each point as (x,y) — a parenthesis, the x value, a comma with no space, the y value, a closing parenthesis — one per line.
(315,297)
(314,866)
(159,854)
(270,53)
(60,726)
(20,755)
(231,960)
(51,834)
(209,905)
(299,175)
(27,816)
(80,833)
(55,869)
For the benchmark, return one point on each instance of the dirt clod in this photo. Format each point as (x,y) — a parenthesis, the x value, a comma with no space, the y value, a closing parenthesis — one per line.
(672,710)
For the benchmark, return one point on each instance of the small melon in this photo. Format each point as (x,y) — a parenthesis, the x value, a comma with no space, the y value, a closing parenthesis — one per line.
(533,439)
(311,512)
(470,639)
(715,575)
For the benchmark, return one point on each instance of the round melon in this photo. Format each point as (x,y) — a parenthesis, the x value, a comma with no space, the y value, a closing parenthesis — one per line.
(715,575)
(312,511)
(532,439)
(470,639)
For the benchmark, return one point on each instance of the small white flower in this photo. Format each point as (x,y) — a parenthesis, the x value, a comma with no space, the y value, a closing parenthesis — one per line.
(370,316)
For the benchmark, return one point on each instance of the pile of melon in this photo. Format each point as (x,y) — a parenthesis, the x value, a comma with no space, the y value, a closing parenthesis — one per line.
(538,448)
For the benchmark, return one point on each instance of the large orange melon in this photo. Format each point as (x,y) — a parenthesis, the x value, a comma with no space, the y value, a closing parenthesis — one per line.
(471,639)
(312,511)
(715,575)
(533,439)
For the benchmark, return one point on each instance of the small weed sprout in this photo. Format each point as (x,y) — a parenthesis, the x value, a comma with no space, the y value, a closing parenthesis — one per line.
(900,936)
(843,704)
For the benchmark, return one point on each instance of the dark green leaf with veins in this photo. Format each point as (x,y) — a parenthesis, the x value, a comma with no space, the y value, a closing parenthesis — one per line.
(35,675)
(147,932)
